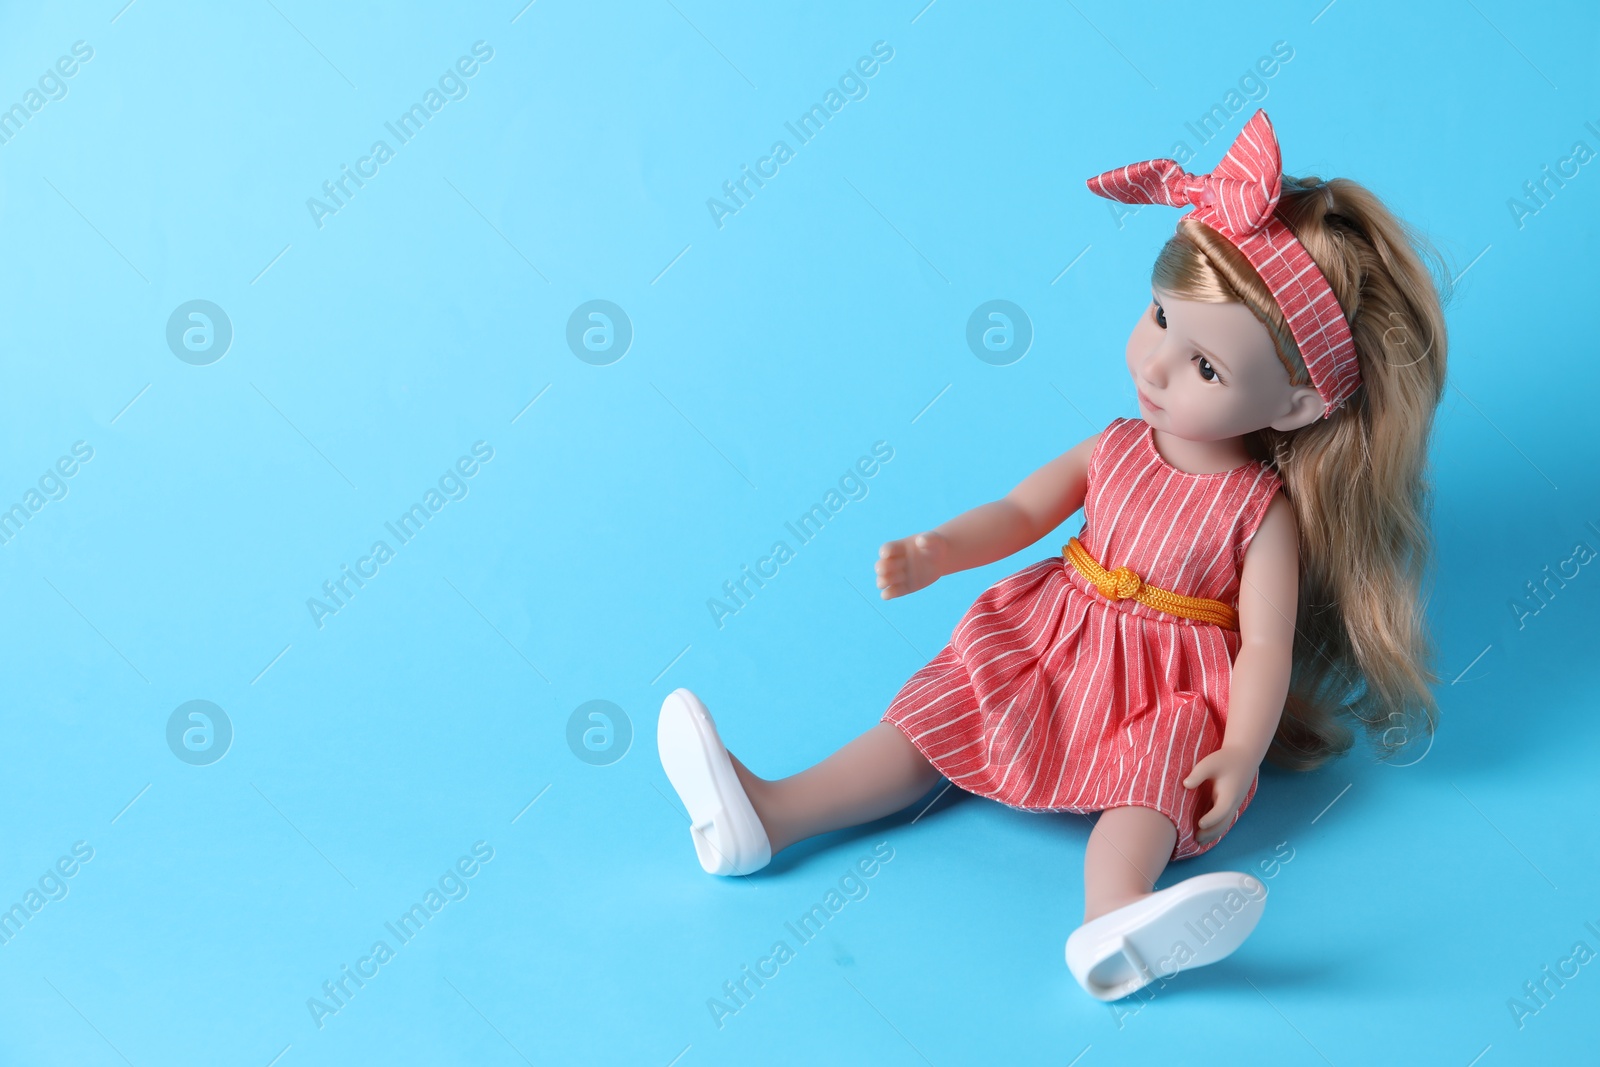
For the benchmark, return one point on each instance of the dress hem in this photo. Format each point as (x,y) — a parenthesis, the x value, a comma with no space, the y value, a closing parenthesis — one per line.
(1177,853)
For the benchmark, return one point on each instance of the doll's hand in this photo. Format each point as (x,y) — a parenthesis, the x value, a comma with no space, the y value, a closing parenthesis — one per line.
(1230,772)
(909,564)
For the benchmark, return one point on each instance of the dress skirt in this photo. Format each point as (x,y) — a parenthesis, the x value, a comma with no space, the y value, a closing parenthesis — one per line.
(1050,697)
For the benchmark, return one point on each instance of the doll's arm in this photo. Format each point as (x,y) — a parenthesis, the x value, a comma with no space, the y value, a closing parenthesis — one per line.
(1268,591)
(1039,503)
(1269,588)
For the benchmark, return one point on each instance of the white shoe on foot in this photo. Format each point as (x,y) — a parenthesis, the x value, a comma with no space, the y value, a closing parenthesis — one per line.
(727,833)
(1198,921)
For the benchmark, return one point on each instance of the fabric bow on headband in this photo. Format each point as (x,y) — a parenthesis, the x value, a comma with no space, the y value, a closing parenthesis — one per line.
(1238,200)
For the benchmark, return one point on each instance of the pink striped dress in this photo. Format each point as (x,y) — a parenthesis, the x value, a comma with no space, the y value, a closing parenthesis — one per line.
(1050,697)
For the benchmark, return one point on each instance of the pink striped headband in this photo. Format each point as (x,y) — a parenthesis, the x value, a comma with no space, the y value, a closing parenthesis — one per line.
(1237,200)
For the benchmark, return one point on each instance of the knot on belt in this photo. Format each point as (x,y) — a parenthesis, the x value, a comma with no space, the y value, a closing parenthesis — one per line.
(1124,583)
(1119,584)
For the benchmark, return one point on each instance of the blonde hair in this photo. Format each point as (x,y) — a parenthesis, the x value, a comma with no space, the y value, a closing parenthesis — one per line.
(1356,478)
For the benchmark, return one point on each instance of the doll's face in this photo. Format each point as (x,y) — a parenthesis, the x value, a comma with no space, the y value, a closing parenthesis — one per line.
(1207,372)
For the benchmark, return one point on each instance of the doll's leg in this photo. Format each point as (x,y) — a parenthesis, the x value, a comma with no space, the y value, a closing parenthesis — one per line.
(875,775)
(1126,853)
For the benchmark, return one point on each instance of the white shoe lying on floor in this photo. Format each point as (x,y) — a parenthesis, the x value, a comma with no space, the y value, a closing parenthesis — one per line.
(728,836)
(1198,921)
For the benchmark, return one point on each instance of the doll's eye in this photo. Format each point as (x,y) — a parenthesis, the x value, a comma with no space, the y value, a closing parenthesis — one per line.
(1207,371)
(1161,317)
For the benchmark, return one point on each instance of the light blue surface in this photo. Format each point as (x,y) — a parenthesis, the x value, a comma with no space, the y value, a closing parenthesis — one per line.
(830,313)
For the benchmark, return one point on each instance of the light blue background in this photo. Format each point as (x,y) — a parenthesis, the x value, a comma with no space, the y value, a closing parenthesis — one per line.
(768,355)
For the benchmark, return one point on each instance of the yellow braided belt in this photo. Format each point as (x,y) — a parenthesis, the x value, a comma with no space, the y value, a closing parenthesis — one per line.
(1123,584)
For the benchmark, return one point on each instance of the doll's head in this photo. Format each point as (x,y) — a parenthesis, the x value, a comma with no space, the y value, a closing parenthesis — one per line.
(1356,477)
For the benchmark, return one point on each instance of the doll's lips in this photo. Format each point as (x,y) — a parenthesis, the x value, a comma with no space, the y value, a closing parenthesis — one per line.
(1146,401)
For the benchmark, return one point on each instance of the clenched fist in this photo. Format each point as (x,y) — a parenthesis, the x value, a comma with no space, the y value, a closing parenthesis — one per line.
(906,565)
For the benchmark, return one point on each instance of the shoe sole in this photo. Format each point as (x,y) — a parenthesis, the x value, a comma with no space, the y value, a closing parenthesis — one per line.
(1209,916)
(697,765)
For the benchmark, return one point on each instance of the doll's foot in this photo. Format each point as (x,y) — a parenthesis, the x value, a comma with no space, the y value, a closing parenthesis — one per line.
(1198,921)
(727,834)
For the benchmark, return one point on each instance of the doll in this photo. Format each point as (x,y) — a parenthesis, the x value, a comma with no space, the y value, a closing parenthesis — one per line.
(1247,579)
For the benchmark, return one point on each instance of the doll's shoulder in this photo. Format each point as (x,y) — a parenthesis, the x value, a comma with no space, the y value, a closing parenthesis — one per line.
(1270,525)
(1122,438)
(1118,427)
(1113,440)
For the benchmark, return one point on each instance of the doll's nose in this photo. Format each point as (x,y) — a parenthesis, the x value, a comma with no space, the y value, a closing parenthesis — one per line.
(1153,368)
